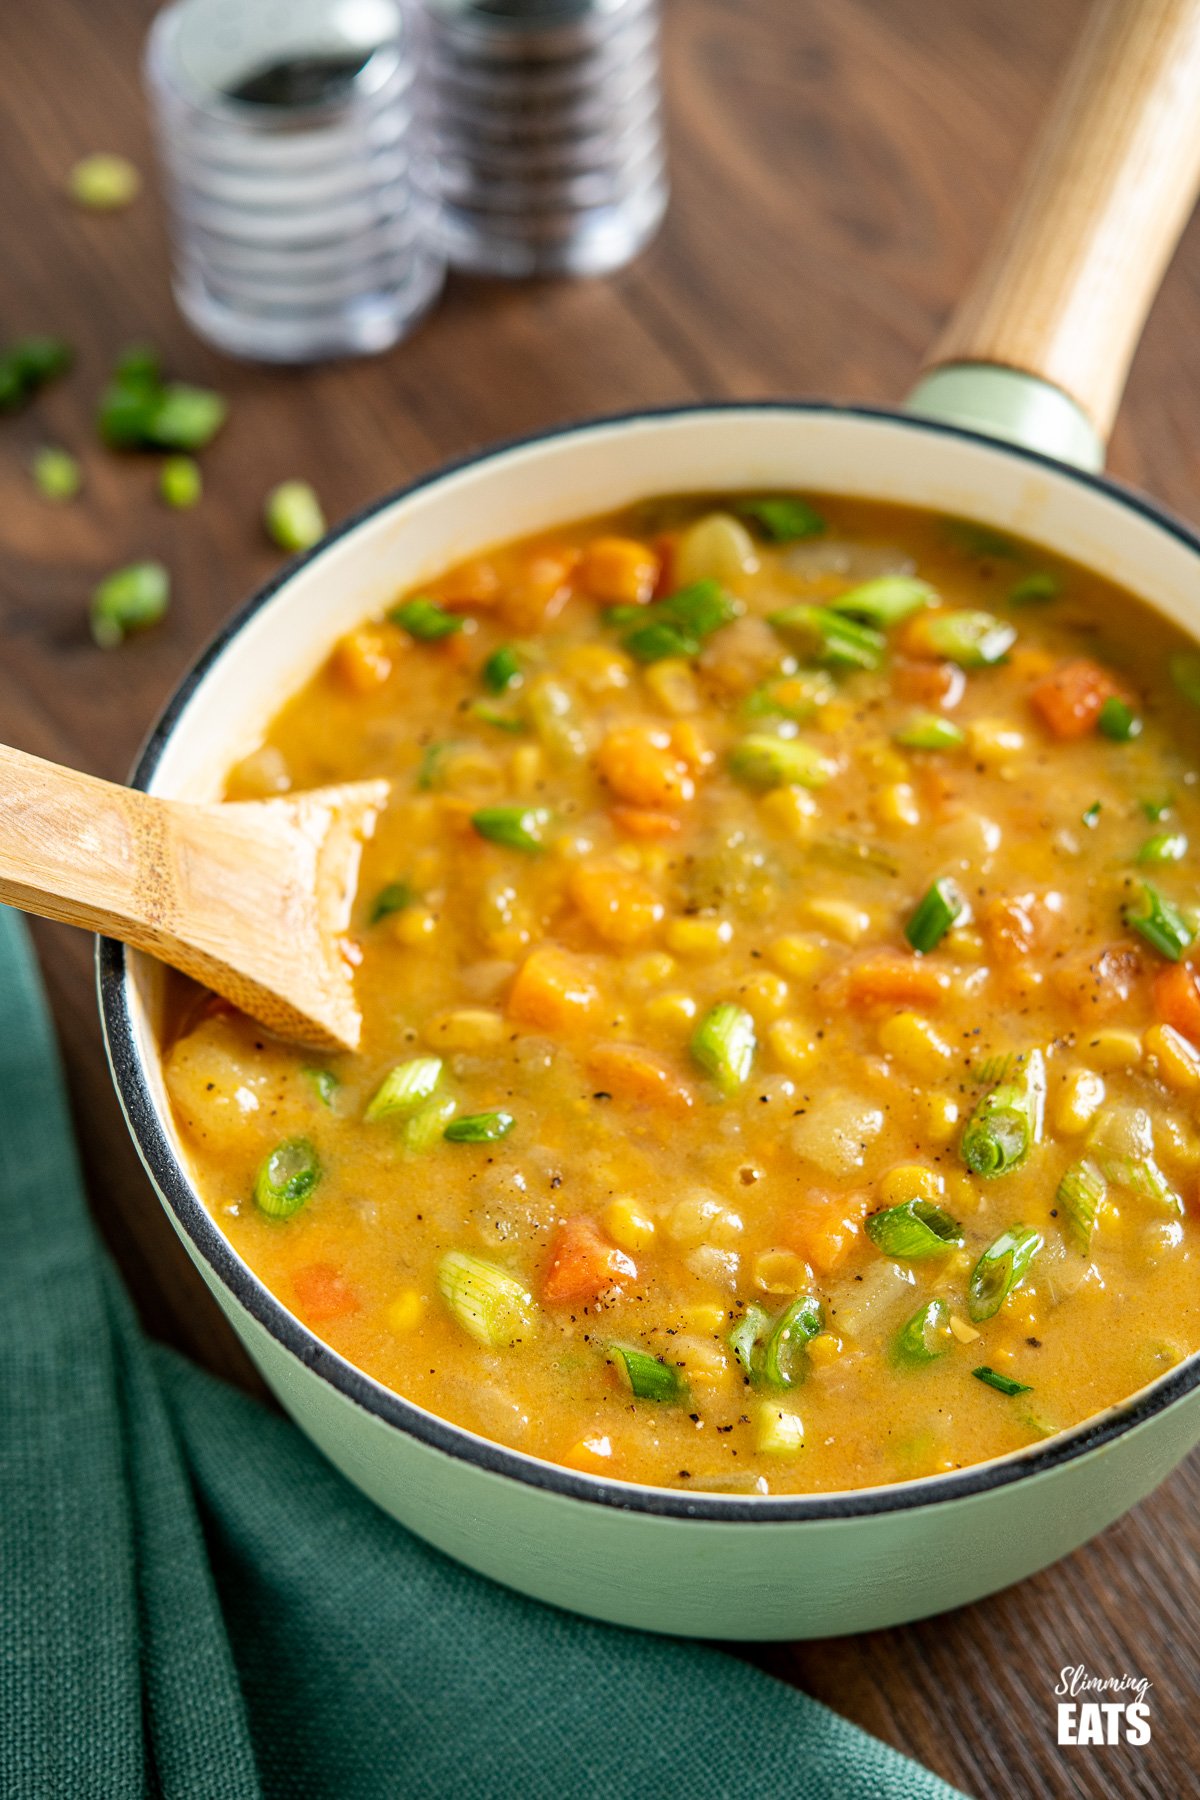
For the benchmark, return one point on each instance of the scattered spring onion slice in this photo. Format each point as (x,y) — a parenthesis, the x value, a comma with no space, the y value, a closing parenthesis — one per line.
(783,1363)
(516,827)
(479,1128)
(1157,809)
(324,1084)
(837,642)
(404,1089)
(286,1178)
(784,520)
(391,899)
(28,365)
(1003,1384)
(930,731)
(1118,721)
(427,1127)
(498,716)
(678,624)
(856,854)
(1079,1195)
(139,410)
(502,670)
(1033,590)
(1000,1270)
(924,1337)
(180,482)
(1091,818)
(914,1230)
(745,1340)
(794,697)
(104,183)
(934,914)
(128,600)
(723,1044)
(973,640)
(763,761)
(885,601)
(1160,922)
(430,769)
(646,1377)
(777,1433)
(1185,673)
(1163,847)
(56,473)
(1007,1122)
(425,620)
(492,1305)
(293,516)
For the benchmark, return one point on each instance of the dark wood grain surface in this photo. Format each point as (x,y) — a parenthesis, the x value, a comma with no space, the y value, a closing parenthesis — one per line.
(838,165)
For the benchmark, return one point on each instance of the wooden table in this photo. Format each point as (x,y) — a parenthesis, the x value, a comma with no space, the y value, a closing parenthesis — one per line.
(838,166)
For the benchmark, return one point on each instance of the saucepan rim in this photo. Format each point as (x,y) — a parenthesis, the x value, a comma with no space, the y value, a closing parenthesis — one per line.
(170,1178)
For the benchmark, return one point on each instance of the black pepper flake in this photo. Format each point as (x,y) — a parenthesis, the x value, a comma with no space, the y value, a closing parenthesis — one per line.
(601,1095)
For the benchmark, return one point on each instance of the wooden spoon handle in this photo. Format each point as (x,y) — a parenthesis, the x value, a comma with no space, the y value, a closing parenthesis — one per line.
(1109,187)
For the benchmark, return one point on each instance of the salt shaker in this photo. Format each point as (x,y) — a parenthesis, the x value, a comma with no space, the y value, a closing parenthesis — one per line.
(297,169)
(548,133)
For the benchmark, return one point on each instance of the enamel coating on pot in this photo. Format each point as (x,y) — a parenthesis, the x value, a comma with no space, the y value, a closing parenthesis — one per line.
(711,1565)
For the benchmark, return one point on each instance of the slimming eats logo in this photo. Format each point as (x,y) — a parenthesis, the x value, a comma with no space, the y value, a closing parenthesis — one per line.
(1102,1709)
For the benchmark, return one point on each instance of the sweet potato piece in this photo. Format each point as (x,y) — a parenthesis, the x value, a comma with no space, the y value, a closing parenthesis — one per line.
(620,907)
(641,765)
(552,991)
(323,1292)
(930,684)
(1098,983)
(1068,701)
(1014,925)
(1177,1000)
(540,591)
(642,822)
(825,1228)
(628,1072)
(619,570)
(583,1264)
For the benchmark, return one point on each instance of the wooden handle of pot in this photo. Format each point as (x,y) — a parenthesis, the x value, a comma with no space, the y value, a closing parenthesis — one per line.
(1109,187)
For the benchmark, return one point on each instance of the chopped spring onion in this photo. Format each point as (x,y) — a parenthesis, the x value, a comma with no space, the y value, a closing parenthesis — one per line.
(934,915)
(180,482)
(1000,1271)
(837,642)
(516,827)
(1079,1195)
(646,1376)
(913,1230)
(930,731)
(1091,818)
(104,182)
(28,365)
(853,853)
(1007,1122)
(502,670)
(1033,589)
(182,417)
(784,520)
(479,1128)
(404,1089)
(1164,847)
(555,717)
(763,761)
(777,1433)
(492,1305)
(745,1340)
(724,1044)
(679,624)
(1118,721)
(1160,922)
(427,1127)
(425,620)
(1003,1384)
(130,599)
(293,516)
(430,770)
(924,1337)
(978,540)
(1156,810)
(1185,673)
(1121,1143)
(324,1083)
(391,899)
(286,1178)
(885,601)
(56,474)
(973,640)
(783,1362)
(498,716)
(795,697)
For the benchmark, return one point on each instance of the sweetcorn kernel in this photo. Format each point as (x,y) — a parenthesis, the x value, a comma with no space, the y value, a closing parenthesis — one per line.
(649,970)
(790,809)
(1080,1100)
(824,1349)
(797,955)
(466,1028)
(406,1311)
(705,1316)
(699,937)
(994,740)
(703,1362)
(765,994)
(941,1118)
(916,1044)
(834,716)
(896,805)
(838,918)
(674,686)
(527,767)
(670,1010)
(589,1455)
(910,1181)
(1175,1060)
(691,746)
(619,570)
(793,1044)
(629,1227)
(413,925)
(597,668)
(362,659)
(966,1334)
(1115,1047)
(780,1272)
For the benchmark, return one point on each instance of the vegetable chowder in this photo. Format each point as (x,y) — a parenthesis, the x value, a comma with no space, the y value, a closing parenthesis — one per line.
(781,1053)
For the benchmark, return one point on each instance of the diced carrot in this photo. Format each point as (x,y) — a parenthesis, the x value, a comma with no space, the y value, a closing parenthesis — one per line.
(323,1293)
(619,570)
(552,991)
(884,978)
(1177,1000)
(664,549)
(641,822)
(1098,982)
(640,764)
(583,1264)
(1069,700)
(362,660)
(628,1072)
(825,1227)
(541,589)
(620,907)
(940,684)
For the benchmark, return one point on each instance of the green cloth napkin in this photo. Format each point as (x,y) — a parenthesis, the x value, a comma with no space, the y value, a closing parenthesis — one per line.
(193,1604)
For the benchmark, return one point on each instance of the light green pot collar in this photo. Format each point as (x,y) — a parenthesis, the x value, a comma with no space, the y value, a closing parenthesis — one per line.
(1005,403)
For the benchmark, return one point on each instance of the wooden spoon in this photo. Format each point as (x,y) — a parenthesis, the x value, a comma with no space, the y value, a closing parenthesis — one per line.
(249,897)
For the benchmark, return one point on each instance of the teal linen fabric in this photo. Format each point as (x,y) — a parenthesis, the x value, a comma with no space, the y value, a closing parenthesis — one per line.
(194,1605)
